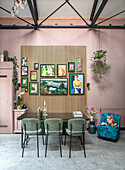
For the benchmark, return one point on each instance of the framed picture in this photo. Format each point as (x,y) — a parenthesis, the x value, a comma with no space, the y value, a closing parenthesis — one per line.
(33,88)
(76,83)
(61,70)
(71,66)
(24,82)
(54,86)
(26,89)
(24,71)
(47,70)
(24,61)
(33,75)
(78,64)
(36,66)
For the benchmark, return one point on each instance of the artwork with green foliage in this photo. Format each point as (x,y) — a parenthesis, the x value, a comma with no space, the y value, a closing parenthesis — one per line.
(15,73)
(54,86)
(98,65)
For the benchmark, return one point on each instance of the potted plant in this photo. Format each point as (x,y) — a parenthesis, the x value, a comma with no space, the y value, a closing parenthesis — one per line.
(98,65)
(20,105)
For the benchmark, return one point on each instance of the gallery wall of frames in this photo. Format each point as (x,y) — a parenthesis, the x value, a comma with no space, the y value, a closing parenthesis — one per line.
(56,74)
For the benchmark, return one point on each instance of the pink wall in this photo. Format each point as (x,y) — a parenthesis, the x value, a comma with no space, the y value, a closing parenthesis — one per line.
(109,92)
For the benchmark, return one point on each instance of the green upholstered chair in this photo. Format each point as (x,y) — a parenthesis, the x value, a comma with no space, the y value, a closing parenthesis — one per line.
(30,126)
(76,127)
(53,126)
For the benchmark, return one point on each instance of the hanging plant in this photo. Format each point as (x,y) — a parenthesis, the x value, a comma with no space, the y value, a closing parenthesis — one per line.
(15,72)
(98,65)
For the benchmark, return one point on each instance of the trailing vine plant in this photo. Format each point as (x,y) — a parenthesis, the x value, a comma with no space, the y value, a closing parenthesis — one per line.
(98,65)
(15,73)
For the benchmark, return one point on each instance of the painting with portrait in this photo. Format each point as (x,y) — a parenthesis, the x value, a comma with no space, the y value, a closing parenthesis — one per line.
(76,84)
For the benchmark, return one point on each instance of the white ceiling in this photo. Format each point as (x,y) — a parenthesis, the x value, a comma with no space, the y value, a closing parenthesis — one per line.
(84,7)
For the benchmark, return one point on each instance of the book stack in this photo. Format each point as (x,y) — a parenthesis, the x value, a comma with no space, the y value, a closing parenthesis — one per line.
(77,114)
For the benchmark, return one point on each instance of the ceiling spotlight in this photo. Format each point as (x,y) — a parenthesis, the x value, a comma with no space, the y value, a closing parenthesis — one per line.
(23,3)
(14,11)
(17,2)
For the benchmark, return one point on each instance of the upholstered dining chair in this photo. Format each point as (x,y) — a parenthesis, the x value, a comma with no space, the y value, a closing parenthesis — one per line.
(76,127)
(53,127)
(109,132)
(30,126)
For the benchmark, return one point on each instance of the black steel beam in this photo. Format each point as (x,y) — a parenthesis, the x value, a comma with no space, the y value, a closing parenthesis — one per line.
(110,17)
(53,12)
(16,16)
(32,12)
(35,8)
(63,26)
(99,11)
(76,12)
(93,9)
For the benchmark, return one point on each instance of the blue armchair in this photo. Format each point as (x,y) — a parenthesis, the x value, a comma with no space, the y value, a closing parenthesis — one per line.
(109,131)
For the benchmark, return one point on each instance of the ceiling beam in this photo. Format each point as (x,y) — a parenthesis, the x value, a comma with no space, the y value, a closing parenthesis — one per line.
(63,26)
(76,12)
(35,8)
(16,16)
(53,13)
(93,9)
(110,17)
(99,11)
(32,12)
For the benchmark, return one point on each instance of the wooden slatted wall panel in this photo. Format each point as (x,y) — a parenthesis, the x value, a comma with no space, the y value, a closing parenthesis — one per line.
(54,55)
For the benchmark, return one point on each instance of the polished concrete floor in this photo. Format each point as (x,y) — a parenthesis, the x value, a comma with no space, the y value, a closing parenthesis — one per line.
(101,154)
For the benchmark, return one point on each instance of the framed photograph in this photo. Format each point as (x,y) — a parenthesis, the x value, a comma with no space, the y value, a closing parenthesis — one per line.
(76,83)
(71,66)
(78,64)
(24,82)
(24,71)
(33,88)
(54,86)
(36,66)
(47,70)
(61,70)
(26,89)
(24,61)
(33,75)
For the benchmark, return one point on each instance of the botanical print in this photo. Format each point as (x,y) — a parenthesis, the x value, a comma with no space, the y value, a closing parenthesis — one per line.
(61,70)
(79,64)
(76,83)
(53,86)
(24,71)
(33,75)
(33,88)
(24,82)
(24,61)
(47,70)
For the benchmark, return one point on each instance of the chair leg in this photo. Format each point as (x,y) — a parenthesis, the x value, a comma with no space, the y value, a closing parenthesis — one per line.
(60,141)
(46,145)
(84,144)
(65,140)
(21,137)
(70,146)
(37,145)
(43,139)
(23,145)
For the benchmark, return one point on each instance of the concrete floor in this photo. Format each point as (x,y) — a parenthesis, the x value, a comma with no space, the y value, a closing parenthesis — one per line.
(101,154)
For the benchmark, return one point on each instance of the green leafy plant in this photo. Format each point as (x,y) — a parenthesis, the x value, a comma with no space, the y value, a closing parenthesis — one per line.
(20,104)
(15,72)
(98,65)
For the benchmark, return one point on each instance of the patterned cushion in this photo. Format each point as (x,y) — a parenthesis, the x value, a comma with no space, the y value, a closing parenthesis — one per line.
(108,131)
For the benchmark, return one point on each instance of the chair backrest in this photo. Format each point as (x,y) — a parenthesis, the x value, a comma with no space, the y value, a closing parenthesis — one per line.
(30,124)
(116,117)
(53,124)
(77,124)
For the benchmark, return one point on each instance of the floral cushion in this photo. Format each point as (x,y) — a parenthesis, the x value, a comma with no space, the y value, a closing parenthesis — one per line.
(109,131)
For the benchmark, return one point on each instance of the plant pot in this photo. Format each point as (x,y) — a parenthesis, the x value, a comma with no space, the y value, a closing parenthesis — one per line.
(91,117)
(19,107)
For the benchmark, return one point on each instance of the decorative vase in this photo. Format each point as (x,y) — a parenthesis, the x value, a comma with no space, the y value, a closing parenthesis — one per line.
(91,117)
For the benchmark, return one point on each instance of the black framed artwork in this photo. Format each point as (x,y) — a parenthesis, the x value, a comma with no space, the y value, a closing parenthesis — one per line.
(61,70)
(33,75)
(71,66)
(36,66)
(24,71)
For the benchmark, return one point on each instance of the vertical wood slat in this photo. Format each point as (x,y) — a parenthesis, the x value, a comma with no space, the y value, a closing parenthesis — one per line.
(54,55)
